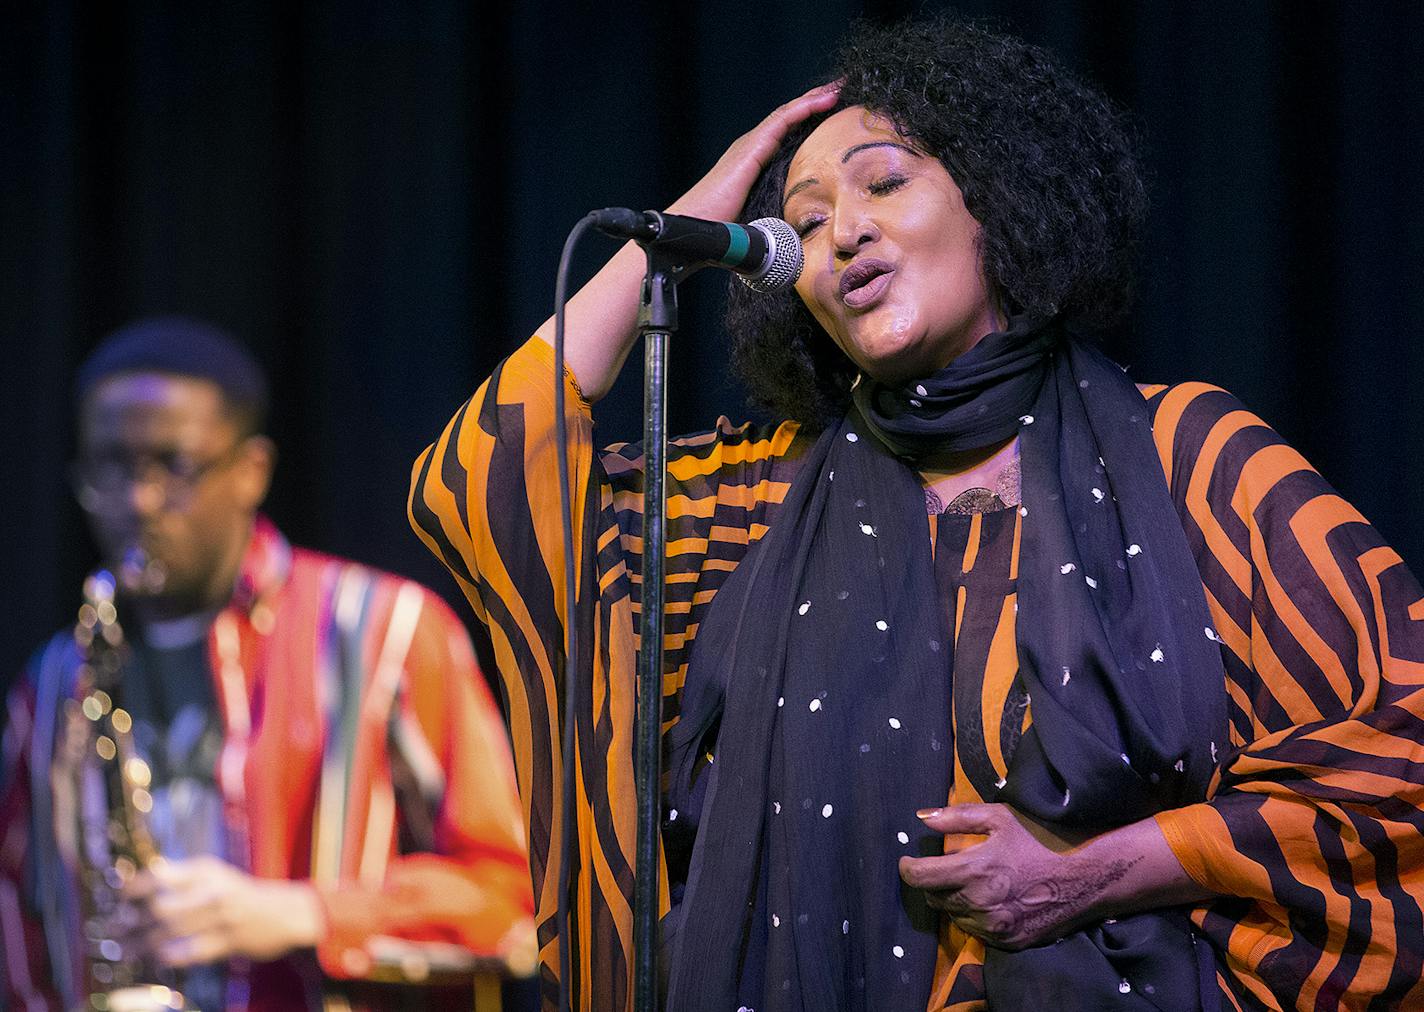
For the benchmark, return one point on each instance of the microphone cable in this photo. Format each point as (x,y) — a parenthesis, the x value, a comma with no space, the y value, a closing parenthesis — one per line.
(783,265)
(571,682)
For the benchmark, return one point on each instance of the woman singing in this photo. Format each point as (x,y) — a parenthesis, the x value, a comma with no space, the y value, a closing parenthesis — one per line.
(993,679)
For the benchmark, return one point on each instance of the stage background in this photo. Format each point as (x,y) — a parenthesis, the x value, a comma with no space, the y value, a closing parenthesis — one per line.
(374,195)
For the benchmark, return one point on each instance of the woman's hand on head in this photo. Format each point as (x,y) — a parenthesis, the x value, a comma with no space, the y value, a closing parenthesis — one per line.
(1022,885)
(722,192)
(602,316)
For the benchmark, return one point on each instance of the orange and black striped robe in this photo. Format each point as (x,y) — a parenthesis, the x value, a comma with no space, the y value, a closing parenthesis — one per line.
(1313,826)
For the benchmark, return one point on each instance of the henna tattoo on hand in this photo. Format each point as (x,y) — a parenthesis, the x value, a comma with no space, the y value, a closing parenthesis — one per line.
(1039,910)
(1044,903)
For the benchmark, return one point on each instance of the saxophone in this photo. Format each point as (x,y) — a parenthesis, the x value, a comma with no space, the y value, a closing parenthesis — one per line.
(117,843)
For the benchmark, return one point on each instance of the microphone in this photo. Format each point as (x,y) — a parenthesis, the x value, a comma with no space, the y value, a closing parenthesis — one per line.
(766,254)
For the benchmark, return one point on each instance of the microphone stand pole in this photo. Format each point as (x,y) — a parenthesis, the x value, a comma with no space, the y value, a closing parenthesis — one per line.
(657,320)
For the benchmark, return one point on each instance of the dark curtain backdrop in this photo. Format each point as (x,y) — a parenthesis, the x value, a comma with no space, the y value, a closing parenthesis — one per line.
(374,195)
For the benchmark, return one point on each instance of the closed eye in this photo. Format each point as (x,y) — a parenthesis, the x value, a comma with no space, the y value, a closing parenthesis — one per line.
(879,188)
(806,226)
(887,185)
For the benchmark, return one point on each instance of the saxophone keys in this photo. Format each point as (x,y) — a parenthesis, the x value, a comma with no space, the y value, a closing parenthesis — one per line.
(99,585)
(138,772)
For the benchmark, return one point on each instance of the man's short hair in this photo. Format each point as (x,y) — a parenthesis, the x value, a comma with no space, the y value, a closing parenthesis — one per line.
(182,346)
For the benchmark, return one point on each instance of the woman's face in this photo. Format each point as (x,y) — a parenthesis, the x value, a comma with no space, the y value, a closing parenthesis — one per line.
(892,256)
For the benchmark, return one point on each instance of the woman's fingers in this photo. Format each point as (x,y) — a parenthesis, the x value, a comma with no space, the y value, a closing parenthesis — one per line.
(787,115)
(761,141)
(968,818)
(722,192)
(944,872)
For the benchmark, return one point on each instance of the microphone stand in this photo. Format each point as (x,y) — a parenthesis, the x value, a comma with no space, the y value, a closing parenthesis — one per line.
(657,320)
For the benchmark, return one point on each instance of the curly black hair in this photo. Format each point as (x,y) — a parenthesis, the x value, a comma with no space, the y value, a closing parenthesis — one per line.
(1047,166)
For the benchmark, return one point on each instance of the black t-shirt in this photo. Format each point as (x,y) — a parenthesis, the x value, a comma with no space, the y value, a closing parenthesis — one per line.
(168,690)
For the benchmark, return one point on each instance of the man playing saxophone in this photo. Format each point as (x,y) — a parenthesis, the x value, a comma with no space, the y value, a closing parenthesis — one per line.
(306,742)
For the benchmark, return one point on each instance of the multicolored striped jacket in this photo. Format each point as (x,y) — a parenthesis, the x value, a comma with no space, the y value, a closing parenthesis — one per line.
(1313,831)
(355,721)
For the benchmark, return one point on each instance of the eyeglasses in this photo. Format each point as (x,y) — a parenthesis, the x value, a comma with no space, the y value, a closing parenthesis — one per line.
(103,482)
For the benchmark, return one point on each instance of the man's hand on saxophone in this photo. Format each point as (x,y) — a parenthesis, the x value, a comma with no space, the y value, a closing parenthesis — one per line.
(203,909)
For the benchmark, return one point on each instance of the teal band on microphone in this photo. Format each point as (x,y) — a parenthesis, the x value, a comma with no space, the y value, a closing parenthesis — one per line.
(737,247)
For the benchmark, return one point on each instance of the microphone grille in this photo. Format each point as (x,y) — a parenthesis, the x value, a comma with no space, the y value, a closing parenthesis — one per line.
(784,258)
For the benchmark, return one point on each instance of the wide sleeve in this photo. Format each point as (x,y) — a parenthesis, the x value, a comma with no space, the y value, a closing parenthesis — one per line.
(1313,825)
(485,499)
(459,879)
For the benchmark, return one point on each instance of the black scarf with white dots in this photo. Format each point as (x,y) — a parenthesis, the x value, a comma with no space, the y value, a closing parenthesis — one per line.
(820,686)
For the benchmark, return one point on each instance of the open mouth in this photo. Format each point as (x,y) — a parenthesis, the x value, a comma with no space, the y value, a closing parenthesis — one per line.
(864,281)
